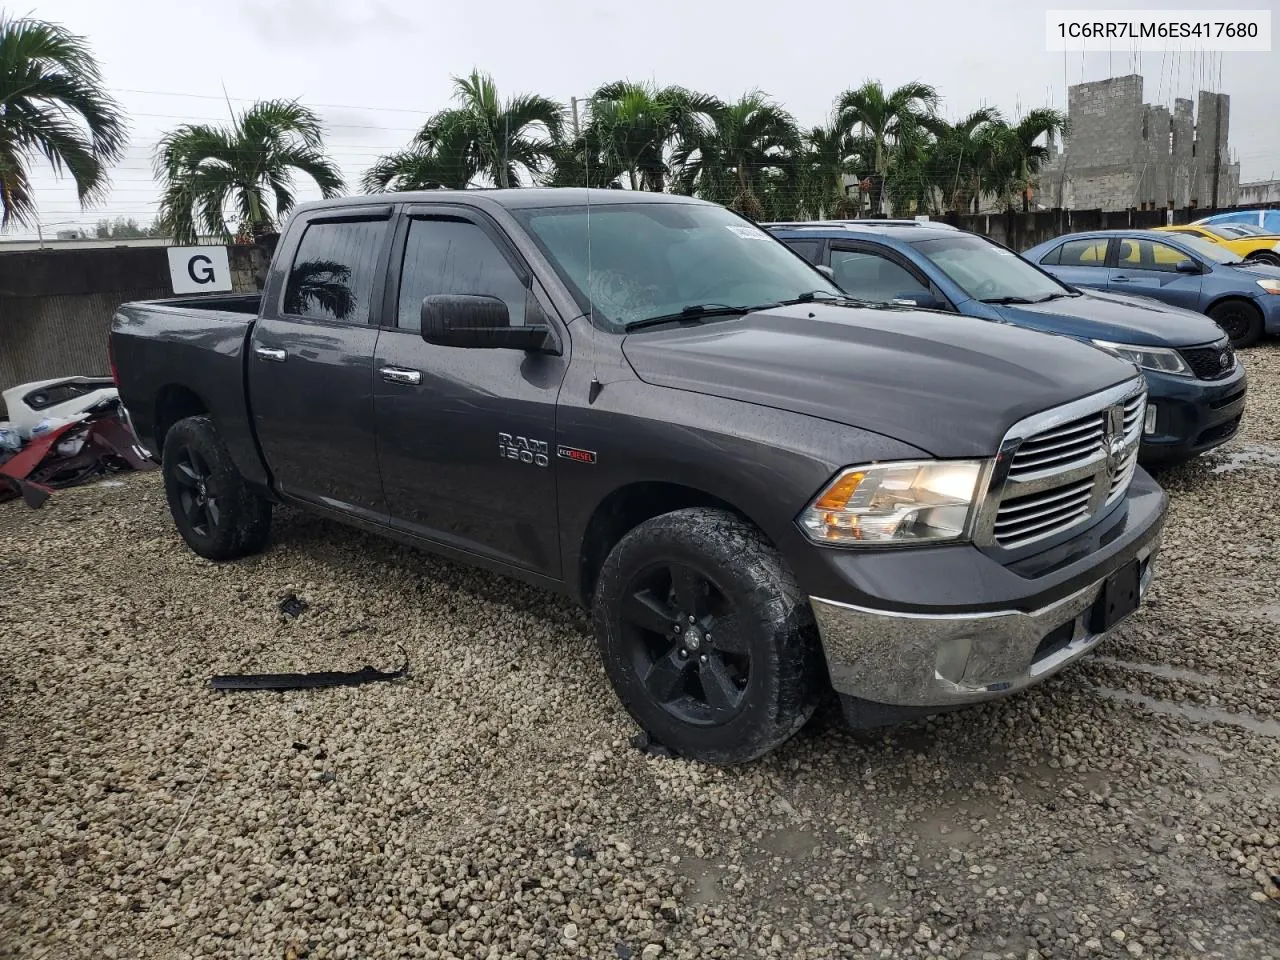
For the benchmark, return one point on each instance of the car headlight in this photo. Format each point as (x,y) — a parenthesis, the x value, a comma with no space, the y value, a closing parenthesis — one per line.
(1269,285)
(917,501)
(1160,359)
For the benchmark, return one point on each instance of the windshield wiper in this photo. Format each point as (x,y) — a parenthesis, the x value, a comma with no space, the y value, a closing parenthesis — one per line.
(692,313)
(1056,296)
(826,297)
(998,301)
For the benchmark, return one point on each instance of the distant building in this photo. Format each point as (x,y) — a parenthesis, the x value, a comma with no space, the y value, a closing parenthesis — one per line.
(1260,192)
(1124,153)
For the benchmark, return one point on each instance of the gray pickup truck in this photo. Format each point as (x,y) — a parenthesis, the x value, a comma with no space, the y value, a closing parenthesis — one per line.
(763,490)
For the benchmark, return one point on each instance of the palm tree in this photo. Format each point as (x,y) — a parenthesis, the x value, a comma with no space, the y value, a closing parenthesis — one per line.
(1018,156)
(204,169)
(496,138)
(827,155)
(963,157)
(883,118)
(52,104)
(913,171)
(750,154)
(578,161)
(635,126)
(441,159)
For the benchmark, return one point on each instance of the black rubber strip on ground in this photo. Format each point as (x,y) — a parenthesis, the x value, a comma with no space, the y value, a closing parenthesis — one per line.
(307,681)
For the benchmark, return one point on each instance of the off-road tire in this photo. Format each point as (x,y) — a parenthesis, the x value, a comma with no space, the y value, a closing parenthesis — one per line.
(786,676)
(243,523)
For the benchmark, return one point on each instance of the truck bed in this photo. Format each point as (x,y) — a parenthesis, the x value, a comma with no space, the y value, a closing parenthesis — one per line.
(182,356)
(216,303)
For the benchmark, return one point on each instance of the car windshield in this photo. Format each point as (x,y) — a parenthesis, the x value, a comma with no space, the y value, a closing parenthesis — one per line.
(647,260)
(1208,249)
(987,271)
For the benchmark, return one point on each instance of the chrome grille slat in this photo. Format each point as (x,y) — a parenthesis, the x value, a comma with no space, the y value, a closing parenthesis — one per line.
(1062,457)
(1064,466)
(1043,529)
(1016,508)
(1032,521)
(1071,443)
(1040,449)
(1076,426)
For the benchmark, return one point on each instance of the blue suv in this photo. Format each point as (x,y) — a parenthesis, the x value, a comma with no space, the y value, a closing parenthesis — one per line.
(1196,386)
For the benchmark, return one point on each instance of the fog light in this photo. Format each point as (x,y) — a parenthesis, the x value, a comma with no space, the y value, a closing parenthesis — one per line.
(1149,423)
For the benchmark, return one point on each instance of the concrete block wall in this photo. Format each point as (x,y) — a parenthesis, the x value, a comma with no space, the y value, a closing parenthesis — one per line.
(1213,116)
(1125,153)
(1106,121)
(1184,132)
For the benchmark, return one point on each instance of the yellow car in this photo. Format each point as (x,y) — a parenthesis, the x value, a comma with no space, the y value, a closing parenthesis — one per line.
(1260,249)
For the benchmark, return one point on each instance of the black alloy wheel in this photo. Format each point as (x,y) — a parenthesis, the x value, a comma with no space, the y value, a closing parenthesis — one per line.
(197,501)
(680,634)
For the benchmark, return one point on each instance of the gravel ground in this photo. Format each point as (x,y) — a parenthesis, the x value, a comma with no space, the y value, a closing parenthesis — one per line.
(491,806)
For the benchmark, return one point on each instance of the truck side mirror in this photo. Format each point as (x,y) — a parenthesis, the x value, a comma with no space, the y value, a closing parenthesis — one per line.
(480,322)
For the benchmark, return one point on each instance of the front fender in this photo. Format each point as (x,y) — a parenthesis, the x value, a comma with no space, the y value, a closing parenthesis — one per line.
(765,463)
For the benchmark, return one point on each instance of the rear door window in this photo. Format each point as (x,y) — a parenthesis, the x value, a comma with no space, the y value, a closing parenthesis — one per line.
(1083,253)
(333,271)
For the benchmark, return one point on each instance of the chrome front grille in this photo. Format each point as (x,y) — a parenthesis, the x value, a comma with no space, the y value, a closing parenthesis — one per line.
(1057,469)
(1059,448)
(1134,409)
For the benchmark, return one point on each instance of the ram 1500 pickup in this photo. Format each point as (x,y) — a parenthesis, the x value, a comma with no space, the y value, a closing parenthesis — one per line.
(762,490)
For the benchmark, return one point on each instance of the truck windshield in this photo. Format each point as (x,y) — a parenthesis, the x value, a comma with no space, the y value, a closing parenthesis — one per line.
(988,272)
(649,260)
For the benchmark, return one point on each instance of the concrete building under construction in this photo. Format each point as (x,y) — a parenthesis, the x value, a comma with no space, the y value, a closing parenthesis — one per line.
(1122,152)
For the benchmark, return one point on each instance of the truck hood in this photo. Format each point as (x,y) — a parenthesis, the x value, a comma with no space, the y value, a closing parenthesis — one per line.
(946,384)
(1118,317)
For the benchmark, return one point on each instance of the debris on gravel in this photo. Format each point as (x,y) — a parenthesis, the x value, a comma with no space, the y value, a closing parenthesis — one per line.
(492,805)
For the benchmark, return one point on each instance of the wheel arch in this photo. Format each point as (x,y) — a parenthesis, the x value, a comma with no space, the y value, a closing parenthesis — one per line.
(174,402)
(1227,298)
(628,506)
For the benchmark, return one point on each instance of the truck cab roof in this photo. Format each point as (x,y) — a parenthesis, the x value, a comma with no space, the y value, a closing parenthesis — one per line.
(512,199)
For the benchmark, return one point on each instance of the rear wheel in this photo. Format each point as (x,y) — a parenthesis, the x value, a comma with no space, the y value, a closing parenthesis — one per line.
(214,510)
(1240,320)
(1265,256)
(707,639)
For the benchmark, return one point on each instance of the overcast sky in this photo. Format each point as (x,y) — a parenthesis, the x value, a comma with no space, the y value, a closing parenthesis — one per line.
(376,69)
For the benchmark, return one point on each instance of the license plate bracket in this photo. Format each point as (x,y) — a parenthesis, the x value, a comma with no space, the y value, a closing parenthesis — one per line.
(1119,597)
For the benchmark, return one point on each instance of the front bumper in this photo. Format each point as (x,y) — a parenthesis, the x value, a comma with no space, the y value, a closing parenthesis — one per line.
(896,662)
(1192,415)
(1269,304)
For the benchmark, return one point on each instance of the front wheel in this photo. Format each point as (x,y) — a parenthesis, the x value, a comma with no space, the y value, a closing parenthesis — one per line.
(1264,256)
(707,639)
(1240,320)
(217,514)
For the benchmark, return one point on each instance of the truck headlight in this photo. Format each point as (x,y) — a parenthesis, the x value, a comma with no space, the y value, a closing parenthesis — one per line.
(1160,359)
(917,501)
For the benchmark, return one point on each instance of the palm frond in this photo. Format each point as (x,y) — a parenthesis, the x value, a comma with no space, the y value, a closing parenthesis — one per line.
(53,104)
